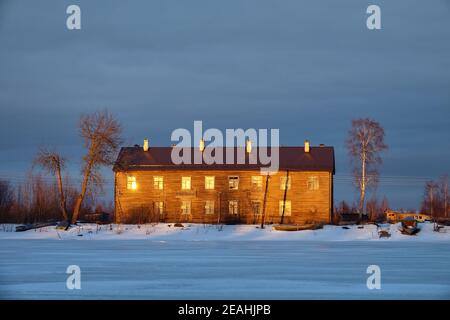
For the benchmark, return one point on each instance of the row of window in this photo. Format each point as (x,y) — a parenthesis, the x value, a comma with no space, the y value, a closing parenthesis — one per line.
(233,183)
(233,207)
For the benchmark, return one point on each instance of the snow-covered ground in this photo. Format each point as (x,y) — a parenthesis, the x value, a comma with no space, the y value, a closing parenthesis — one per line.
(161,262)
(200,232)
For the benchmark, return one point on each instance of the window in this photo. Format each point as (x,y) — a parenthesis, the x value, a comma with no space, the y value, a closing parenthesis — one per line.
(233,207)
(158,207)
(185,207)
(283,183)
(186,183)
(313,183)
(209,182)
(256,207)
(233,183)
(131,183)
(158,183)
(257,182)
(209,207)
(287,210)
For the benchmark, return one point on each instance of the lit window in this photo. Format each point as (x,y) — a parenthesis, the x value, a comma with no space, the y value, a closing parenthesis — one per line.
(287,210)
(283,183)
(209,207)
(257,182)
(158,183)
(158,207)
(233,182)
(233,207)
(313,183)
(256,207)
(131,183)
(186,183)
(185,207)
(209,182)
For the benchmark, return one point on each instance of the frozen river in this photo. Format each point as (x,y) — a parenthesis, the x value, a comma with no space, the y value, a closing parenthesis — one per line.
(144,269)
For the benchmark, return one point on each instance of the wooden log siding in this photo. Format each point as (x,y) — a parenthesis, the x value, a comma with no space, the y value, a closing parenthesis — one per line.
(306,205)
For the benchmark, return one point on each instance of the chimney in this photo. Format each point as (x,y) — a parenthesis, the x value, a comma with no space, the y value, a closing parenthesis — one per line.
(145,145)
(201,145)
(321,145)
(306,146)
(248,146)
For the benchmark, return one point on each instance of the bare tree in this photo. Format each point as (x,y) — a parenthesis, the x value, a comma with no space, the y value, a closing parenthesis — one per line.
(101,134)
(384,206)
(54,163)
(372,209)
(6,200)
(435,198)
(443,190)
(430,204)
(365,143)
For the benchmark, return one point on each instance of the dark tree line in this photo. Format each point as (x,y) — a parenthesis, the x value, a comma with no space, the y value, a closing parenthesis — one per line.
(36,199)
(33,200)
(374,208)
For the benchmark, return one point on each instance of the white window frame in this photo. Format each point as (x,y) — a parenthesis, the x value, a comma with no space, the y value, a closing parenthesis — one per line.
(235,184)
(186,183)
(233,207)
(210,182)
(158,182)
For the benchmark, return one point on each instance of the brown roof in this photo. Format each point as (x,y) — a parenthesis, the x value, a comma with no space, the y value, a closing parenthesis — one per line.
(291,158)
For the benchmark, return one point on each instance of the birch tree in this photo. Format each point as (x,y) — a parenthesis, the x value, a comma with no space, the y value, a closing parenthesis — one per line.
(365,143)
(100,132)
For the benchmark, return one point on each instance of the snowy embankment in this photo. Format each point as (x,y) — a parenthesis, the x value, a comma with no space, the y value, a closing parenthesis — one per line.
(200,232)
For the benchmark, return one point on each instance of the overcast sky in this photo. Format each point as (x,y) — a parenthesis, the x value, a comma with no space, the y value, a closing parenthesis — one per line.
(305,67)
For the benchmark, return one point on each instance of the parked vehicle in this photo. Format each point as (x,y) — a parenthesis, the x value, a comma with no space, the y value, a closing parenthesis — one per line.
(409,226)
(98,217)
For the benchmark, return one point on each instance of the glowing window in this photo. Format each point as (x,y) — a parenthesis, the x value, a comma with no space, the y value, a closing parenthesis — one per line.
(185,207)
(186,183)
(257,182)
(209,182)
(131,183)
(158,183)
(287,210)
(283,183)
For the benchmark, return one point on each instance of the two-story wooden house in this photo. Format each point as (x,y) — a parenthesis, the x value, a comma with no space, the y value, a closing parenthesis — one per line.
(150,187)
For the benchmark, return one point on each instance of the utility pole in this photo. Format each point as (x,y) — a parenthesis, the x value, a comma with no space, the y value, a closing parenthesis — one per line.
(431,207)
(431,199)
(286,185)
(265,200)
(220,208)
